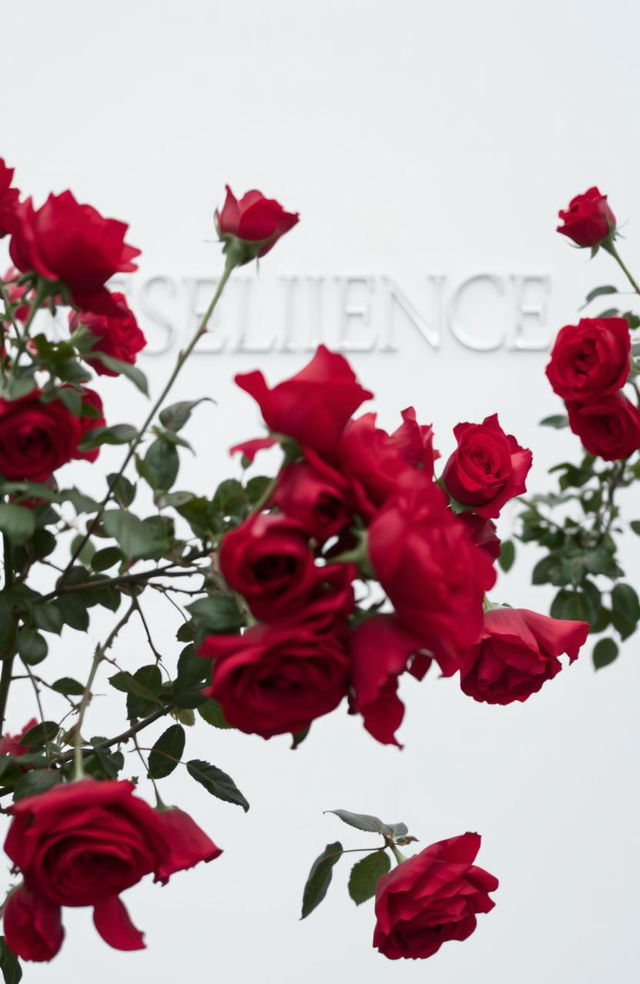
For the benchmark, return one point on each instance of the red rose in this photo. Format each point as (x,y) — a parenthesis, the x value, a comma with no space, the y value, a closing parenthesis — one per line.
(83,843)
(608,427)
(87,423)
(256,221)
(381,649)
(275,679)
(415,442)
(590,359)
(588,219)
(482,532)
(32,925)
(314,494)
(430,898)
(488,468)
(434,575)
(8,199)
(36,438)
(72,243)
(117,335)
(314,405)
(517,653)
(11,744)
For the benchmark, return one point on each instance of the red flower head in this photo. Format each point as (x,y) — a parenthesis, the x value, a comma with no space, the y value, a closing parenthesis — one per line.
(314,405)
(517,653)
(11,744)
(8,199)
(588,220)
(608,426)
(431,898)
(36,438)
(72,243)
(252,224)
(88,422)
(590,359)
(117,335)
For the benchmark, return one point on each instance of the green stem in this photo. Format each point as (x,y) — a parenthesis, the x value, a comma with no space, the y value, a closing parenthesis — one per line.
(182,358)
(610,248)
(398,855)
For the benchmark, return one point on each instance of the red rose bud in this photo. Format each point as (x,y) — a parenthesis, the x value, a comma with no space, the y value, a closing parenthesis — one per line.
(36,438)
(517,653)
(117,335)
(8,199)
(431,898)
(313,406)
(381,650)
(314,494)
(83,843)
(72,243)
(275,679)
(251,226)
(590,359)
(431,570)
(608,426)
(32,925)
(588,220)
(488,468)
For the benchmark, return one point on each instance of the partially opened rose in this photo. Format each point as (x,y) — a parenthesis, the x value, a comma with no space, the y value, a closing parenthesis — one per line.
(431,898)
(587,220)
(590,359)
(117,335)
(253,220)
(82,844)
(608,426)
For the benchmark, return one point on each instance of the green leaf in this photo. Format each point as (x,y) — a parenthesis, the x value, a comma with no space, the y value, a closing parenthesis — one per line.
(118,434)
(229,498)
(47,616)
(604,652)
(74,612)
(32,646)
(598,292)
(192,673)
(132,373)
(576,606)
(217,613)
(167,752)
(124,491)
(362,821)
(507,555)
(365,874)
(128,683)
(108,557)
(18,523)
(547,571)
(160,465)
(40,734)
(9,964)
(176,416)
(557,420)
(319,878)
(625,609)
(134,538)
(211,712)
(635,526)
(68,686)
(104,763)
(216,782)
(34,782)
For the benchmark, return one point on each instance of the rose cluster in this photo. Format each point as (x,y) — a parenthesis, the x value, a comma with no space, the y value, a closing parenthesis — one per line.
(353,505)
(63,254)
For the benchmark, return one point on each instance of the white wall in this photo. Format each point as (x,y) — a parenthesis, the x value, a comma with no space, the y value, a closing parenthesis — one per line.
(416,138)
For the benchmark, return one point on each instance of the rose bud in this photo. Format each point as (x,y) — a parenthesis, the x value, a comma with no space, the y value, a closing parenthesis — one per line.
(117,335)
(608,426)
(8,199)
(32,925)
(431,898)
(518,653)
(275,679)
(250,226)
(64,241)
(590,359)
(36,438)
(488,468)
(313,406)
(588,220)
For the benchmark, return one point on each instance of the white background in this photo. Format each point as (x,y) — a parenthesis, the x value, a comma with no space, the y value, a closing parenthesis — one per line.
(414,137)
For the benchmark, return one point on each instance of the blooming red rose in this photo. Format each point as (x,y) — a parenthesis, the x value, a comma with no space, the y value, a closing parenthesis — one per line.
(8,199)
(83,843)
(314,494)
(11,744)
(275,679)
(256,221)
(314,405)
(431,570)
(590,359)
(431,898)
(517,653)
(487,468)
(608,426)
(381,650)
(32,925)
(588,219)
(72,243)
(117,335)
(36,438)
